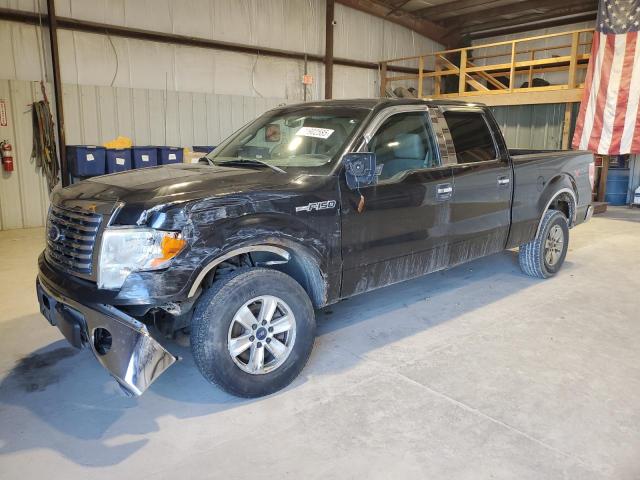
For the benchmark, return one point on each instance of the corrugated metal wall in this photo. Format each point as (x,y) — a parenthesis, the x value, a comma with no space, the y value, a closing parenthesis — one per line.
(117,86)
(94,115)
(532,126)
(23,193)
(97,114)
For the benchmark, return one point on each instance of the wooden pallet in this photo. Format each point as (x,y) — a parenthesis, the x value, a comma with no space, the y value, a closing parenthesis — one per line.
(599,207)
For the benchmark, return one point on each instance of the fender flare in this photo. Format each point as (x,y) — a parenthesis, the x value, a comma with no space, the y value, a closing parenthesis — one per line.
(281,252)
(560,192)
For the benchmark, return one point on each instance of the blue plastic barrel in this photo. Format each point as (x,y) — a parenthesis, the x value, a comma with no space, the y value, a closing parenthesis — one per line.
(143,157)
(617,186)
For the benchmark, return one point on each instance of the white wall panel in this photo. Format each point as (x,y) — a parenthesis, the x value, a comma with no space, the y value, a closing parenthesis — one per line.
(107,112)
(352,82)
(72,117)
(199,117)
(95,115)
(7,52)
(124,112)
(24,39)
(156,118)
(89,112)
(162,94)
(23,199)
(141,127)
(266,23)
(28,5)
(364,37)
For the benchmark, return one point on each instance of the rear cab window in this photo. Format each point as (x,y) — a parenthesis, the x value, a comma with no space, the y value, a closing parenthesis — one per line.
(471,136)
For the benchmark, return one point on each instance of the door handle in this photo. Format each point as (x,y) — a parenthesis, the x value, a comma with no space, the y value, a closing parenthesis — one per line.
(502,181)
(444,191)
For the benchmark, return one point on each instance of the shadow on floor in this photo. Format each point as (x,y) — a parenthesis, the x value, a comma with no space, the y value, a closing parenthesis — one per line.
(61,399)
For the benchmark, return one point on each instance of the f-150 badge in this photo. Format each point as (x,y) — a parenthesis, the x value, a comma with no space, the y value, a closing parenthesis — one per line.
(317,206)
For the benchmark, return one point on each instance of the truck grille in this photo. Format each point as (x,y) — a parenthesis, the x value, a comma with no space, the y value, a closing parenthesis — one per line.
(71,236)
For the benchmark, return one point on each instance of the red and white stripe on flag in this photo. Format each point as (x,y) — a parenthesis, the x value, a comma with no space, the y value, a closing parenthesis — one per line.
(609,118)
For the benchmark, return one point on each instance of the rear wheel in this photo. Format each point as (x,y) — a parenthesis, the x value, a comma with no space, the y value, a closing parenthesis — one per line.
(545,254)
(253,332)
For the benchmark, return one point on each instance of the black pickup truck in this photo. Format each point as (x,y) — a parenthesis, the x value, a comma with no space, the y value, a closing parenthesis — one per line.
(304,206)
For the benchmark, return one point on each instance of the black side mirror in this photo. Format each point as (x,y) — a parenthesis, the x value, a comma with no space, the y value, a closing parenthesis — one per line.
(360,169)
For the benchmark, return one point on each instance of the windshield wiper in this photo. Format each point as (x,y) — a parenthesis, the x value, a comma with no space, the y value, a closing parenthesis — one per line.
(251,161)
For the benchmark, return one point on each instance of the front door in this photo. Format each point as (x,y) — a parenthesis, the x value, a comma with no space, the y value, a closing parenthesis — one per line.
(482,177)
(400,231)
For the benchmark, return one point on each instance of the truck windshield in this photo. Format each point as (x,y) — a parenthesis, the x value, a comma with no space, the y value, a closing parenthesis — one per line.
(307,138)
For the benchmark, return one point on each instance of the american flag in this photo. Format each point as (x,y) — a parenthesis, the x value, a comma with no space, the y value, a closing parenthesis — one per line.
(609,118)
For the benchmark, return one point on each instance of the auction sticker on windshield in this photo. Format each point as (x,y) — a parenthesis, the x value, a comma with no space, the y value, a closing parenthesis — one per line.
(315,132)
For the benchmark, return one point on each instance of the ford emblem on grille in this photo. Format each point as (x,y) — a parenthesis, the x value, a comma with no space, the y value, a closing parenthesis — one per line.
(54,233)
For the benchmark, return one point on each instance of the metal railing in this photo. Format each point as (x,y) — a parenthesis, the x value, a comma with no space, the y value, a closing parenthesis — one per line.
(476,72)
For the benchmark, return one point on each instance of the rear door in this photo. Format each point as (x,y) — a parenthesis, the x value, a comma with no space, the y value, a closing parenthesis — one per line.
(482,177)
(401,230)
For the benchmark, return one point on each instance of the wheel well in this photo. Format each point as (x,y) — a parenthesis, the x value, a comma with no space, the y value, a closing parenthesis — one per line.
(299,266)
(564,203)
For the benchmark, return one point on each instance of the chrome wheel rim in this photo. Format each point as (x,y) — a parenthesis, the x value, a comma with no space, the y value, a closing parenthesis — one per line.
(553,245)
(261,334)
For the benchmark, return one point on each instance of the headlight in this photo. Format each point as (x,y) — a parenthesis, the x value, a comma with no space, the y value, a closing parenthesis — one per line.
(126,250)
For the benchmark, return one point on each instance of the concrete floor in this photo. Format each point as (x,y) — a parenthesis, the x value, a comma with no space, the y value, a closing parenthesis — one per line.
(478,372)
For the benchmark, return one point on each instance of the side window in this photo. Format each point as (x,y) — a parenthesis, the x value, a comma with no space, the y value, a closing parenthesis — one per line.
(471,136)
(403,143)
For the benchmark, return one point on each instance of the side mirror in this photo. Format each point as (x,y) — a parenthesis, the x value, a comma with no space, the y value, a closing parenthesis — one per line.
(360,169)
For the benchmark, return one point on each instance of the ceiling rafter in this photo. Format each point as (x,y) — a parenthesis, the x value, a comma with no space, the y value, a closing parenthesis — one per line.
(419,25)
(558,13)
(460,7)
(585,17)
(541,8)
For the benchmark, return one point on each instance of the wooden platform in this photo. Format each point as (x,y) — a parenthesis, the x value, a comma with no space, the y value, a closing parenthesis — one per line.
(498,78)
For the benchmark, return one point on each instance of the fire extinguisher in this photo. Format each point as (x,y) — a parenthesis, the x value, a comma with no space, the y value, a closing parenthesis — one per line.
(7,156)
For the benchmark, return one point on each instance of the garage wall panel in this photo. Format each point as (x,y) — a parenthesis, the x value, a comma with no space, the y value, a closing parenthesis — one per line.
(90,120)
(72,115)
(199,116)
(141,128)
(287,24)
(124,112)
(23,198)
(532,126)
(157,117)
(95,115)
(107,112)
(172,95)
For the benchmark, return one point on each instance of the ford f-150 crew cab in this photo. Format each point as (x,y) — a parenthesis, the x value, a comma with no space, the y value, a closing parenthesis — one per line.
(304,206)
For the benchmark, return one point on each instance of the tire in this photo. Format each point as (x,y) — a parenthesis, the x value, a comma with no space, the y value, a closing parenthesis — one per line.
(218,325)
(534,256)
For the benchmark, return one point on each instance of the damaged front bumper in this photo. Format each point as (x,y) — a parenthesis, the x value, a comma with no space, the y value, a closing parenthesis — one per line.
(119,342)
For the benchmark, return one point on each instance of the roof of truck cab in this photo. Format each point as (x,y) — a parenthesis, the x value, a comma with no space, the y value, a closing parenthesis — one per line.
(371,103)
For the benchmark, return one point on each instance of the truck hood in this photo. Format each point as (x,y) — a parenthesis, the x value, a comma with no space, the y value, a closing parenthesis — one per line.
(171,184)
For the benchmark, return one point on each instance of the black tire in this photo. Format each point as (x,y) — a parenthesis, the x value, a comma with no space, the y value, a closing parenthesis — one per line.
(212,318)
(532,255)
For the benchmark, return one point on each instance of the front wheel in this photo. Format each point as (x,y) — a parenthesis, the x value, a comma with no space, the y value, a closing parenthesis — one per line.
(545,254)
(253,331)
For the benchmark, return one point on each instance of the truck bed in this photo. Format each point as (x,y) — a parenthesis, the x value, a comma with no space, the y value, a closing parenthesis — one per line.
(537,172)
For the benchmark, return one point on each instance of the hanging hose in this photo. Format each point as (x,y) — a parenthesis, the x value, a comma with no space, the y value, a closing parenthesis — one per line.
(44,142)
